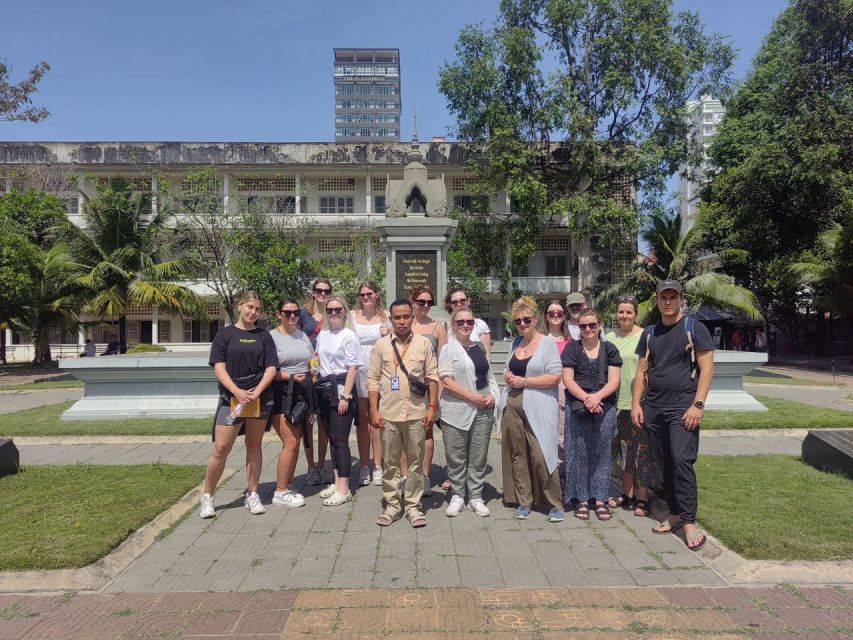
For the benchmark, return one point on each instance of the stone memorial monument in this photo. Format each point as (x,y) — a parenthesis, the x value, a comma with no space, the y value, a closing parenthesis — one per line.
(416,232)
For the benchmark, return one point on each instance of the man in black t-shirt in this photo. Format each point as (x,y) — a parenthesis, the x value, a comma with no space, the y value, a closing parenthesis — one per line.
(675,369)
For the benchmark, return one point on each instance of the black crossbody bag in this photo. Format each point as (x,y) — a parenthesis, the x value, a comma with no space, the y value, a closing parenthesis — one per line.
(416,385)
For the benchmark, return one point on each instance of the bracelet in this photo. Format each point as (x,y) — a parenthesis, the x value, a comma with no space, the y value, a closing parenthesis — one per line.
(433,406)
(525,383)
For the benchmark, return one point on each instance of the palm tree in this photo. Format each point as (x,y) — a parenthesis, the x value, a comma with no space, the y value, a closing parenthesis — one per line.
(55,299)
(677,255)
(129,257)
(831,272)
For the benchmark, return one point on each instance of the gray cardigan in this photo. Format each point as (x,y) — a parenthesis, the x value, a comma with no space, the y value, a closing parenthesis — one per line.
(540,405)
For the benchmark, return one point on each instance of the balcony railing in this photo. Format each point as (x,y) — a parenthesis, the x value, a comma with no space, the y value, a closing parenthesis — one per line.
(536,284)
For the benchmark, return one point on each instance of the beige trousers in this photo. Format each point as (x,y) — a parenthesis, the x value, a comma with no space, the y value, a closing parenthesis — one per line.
(397,437)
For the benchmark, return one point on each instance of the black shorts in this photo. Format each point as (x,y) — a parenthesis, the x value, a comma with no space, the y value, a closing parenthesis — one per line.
(224,408)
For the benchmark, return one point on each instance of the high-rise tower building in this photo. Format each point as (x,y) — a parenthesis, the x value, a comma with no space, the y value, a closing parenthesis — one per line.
(367,95)
(705,115)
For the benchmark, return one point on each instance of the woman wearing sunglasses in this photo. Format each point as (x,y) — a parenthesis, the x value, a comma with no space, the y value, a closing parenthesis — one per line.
(554,327)
(632,444)
(467,410)
(457,298)
(339,357)
(370,322)
(311,323)
(423,300)
(292,395)
(529,422)
(591,375)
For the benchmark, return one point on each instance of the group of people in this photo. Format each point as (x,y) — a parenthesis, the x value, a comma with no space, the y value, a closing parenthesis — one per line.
(573,401)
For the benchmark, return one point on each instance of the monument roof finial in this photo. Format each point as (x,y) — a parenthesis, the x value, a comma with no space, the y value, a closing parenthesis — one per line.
(414,154)
(415,126)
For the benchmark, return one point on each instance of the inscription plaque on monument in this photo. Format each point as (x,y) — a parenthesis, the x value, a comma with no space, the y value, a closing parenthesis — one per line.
(416,268)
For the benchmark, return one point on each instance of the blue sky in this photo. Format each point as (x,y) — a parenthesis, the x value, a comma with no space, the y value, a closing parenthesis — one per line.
(257,70)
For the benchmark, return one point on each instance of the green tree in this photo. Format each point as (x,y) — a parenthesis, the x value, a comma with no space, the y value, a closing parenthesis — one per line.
(129,256)
(783,154)
(271,258)
(564,100)
(54,299)
(830,271)
(209,230)
(677,255)
(18,264)
(16,99)
(36,212)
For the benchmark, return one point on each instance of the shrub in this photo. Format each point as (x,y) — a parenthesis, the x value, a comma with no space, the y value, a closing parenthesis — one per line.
(144,347)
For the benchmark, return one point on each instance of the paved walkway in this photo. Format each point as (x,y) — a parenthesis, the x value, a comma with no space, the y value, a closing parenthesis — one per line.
(12,401)
(824,397)
(323,547)
(555,613)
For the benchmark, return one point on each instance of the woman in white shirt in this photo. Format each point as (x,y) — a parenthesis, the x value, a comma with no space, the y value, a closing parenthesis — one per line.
(467,404)
(339,357)
(457,298)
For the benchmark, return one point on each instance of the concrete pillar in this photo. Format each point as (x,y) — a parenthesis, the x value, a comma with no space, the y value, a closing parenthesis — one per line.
(368,208)
(8,185)
(81,336)
(226,189)
(155,204)
(155,326)
(298,192)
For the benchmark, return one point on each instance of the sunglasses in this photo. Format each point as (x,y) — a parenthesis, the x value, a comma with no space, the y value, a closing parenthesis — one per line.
(424,303)
(322,292)
(460,301)
(556,314)
(592,326)
(525,320)
(630,299)
(334,311)
(462,323)
(288,313)
(367,295)
(405,316)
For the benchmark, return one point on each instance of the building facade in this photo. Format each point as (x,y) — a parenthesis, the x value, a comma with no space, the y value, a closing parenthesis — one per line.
(338,190)
(705,116)
(367,95)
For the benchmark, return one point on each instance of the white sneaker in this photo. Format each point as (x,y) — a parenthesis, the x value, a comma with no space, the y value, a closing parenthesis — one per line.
(328,491)
(288,499)
(455,507)
(479,507)
(377,476)
(208,509)
(427,487)
(313,477)
(364,476)
(253,504)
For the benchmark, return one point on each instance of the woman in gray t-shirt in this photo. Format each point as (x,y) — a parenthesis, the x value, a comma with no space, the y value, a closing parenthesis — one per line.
(291,388)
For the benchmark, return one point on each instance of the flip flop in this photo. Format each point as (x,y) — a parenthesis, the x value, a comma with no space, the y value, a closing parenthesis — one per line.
(695,537)
(673,528)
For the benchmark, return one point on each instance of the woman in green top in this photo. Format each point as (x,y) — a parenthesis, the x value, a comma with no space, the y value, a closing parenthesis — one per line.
(632,444)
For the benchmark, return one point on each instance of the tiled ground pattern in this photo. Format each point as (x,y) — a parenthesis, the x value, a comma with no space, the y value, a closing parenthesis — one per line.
(672,613)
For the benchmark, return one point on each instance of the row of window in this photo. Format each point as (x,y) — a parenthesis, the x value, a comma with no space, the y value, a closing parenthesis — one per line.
(366,70)
(366,117)
(366,104)
(366,132)
(347,89)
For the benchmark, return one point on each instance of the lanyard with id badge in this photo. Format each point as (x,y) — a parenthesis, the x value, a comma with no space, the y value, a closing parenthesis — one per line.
(395,379)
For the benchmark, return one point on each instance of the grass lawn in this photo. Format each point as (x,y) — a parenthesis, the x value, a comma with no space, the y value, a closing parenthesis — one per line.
(774,378)
(781,414)
(774,507)
(38,386)
(44,421)
(64,517)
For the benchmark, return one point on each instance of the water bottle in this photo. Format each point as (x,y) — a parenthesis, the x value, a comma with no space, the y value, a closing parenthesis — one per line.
(231,418)
(314,368)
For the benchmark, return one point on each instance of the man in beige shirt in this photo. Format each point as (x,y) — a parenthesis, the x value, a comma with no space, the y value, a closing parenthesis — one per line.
(403,416)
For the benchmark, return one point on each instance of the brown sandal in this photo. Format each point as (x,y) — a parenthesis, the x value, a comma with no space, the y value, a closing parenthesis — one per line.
(386,519)
(416,519)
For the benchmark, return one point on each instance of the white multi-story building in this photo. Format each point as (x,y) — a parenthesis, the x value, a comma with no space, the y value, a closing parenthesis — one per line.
(367,95)
(705,116)
(338,189)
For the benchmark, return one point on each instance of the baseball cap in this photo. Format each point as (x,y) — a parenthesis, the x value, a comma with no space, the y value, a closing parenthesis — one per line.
(663,285)
(575,297)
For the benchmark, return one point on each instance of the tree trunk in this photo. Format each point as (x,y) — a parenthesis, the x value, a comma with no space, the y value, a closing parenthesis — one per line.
(122,333)
(41,345)
(3,345)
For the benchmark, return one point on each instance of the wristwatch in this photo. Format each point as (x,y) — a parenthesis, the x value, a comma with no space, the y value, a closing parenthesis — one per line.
(699,404)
